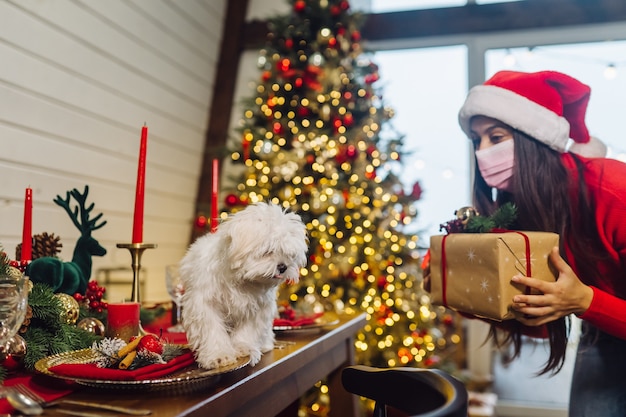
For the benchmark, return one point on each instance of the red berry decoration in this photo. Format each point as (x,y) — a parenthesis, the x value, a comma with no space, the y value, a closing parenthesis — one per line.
(92,297)
(151,343)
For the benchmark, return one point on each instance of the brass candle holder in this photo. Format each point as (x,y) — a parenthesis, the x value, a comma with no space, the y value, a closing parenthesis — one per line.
(136,251)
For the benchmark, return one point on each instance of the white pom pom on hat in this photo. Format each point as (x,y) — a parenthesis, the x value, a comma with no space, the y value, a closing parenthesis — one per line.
(595,148)
(549,106)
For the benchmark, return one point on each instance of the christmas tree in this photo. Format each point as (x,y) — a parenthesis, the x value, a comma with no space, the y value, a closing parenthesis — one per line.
(317,138)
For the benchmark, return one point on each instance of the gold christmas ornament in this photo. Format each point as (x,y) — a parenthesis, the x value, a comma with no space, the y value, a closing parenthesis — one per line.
(92,325)
(14,272)
(465,213)
(70,308)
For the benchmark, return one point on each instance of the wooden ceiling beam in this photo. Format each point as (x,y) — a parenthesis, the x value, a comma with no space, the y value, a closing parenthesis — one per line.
(474,19)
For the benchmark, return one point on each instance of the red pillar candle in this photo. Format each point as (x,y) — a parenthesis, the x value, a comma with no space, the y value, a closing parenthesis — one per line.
(140,188)
(122,320)
(214,193)
(27,230)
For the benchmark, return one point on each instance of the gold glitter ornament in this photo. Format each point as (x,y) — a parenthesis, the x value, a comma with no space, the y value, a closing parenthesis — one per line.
(70,308)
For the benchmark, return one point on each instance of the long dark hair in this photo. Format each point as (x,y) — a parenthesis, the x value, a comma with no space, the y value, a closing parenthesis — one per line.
(549,199)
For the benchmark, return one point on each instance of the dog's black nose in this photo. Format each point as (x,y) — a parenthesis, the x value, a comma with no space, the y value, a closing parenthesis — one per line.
(282,268)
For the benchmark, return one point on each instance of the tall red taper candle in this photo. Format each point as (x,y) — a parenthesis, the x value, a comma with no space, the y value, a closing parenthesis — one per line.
(27,230)
(140,189)
(214,192)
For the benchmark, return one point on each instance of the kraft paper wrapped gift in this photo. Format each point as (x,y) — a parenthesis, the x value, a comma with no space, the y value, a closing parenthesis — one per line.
(471,272)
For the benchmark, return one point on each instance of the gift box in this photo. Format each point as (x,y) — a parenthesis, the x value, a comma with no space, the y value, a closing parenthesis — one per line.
(471,272)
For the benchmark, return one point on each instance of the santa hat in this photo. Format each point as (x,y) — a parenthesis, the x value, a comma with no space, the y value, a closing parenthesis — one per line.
(548,106)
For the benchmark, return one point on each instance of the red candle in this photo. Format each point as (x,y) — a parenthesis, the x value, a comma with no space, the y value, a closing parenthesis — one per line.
(214,192)
(246,150)
(140,189)
(27,230)
(122,320)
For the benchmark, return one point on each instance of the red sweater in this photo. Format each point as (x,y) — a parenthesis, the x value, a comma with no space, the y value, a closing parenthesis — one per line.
(606,181)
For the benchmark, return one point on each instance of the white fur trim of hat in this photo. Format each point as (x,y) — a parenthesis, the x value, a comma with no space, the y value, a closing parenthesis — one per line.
(547,105)
(516,111)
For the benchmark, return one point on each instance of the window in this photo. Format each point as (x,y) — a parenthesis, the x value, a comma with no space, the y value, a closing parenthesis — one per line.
(425,85)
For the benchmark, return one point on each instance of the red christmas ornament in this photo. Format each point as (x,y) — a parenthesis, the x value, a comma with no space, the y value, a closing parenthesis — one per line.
(289,43)
(299,6)
(356,36)
(335,10)
(277,128)
(345,5)
(348,120)
(303,111)
(433,360)
(337,124)
(382,282)
(266,76)
(151,343)
(351,152)
(332,42)
(298,82)
(201,222)
(284,65)
(231,200)
(370,175)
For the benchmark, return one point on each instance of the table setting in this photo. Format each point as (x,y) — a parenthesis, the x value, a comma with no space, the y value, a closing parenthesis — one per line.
(65,348)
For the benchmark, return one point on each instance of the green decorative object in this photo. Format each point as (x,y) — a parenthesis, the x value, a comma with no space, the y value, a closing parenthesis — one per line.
(71,277)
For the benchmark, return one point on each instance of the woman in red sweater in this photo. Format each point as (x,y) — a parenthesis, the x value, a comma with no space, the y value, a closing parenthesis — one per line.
(533,149)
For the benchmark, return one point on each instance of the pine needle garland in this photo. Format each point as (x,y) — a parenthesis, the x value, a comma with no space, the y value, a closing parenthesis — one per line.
(47,334)
(502,218)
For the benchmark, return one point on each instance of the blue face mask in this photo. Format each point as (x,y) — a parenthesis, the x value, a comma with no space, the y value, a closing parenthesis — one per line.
(496,164)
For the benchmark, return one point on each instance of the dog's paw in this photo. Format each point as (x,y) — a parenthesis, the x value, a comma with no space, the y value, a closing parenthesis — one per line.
(217,361)
(255,356)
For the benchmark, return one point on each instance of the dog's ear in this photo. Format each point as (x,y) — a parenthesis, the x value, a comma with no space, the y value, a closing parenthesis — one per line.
(236,241)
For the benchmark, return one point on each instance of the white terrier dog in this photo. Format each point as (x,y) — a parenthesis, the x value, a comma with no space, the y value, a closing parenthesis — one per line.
(230,279)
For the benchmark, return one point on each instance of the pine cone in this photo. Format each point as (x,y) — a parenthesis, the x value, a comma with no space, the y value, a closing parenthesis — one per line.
(43,245)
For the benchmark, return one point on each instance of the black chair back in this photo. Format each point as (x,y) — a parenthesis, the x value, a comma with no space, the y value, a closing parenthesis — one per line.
(417,392)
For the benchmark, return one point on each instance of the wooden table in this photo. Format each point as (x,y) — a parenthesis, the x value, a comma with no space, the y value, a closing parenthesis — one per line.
(270,388)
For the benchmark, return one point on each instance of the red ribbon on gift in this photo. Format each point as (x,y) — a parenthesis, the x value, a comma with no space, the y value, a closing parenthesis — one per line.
(444,277)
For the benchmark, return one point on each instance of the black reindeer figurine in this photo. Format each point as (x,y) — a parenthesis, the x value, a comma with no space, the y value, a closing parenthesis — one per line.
(71,277)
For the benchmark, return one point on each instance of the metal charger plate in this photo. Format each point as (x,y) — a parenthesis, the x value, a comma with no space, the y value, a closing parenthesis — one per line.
(183,380)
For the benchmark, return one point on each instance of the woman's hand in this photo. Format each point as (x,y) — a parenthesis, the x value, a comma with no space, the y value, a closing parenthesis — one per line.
(567,295)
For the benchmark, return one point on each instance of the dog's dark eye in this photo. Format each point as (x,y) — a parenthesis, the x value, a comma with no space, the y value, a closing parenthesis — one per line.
(282,268)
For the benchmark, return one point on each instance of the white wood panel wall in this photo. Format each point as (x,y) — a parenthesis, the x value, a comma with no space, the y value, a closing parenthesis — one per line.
(78,79)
